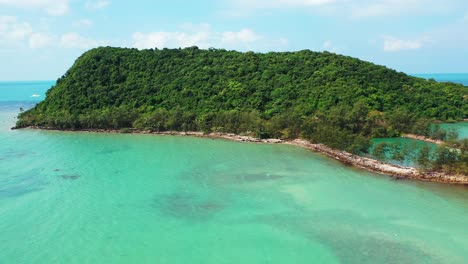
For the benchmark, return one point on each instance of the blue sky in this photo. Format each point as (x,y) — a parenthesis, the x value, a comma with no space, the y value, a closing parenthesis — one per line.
(40,39)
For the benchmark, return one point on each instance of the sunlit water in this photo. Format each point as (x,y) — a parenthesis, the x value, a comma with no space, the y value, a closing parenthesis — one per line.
(461,128)
(100,198)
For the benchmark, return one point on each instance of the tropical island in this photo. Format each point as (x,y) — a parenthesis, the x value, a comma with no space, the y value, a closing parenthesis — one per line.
(330,103)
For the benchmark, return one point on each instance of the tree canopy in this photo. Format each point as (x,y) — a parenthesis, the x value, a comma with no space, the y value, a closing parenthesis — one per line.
(324,97)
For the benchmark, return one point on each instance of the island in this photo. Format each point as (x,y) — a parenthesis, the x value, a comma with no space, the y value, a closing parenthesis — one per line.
(323,101)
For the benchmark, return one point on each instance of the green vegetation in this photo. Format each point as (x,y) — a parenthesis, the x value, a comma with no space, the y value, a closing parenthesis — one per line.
(451,157)
(332,99)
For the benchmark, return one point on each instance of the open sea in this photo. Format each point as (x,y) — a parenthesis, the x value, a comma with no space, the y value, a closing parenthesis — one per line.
(69,197)
(446,77)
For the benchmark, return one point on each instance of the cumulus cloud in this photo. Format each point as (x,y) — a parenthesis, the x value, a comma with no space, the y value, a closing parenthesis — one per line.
(39,40)
(73,40)
(243,36)
(328,45)
(202,36)
(190,35)
(11,29)
(52,7)
(97,4)
(18,34)
(392,44)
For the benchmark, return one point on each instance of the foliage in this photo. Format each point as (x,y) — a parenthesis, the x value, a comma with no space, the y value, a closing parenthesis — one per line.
(451,157)
(336,100)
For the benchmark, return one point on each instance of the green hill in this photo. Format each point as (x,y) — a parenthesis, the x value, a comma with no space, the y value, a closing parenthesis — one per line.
(333,99)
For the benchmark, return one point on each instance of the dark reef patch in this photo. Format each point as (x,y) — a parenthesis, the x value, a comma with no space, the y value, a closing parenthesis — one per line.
(70,177)
(21,184)
(367,243)
(187,206)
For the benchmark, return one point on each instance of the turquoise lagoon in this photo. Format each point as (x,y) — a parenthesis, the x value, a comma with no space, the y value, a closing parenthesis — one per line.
(115,198)
(461,128)
(411,144)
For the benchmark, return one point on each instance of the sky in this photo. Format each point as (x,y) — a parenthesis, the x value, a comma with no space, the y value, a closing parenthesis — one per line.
(41,39)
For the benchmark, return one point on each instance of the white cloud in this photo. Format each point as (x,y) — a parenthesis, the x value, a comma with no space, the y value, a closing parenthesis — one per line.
(52,7)
(83,23)
(11,29)
(97,4)
(202,36)
(17,34)
(392,44)
(74,40)
(244,36)
(328,45)
(40,40)
(192,36)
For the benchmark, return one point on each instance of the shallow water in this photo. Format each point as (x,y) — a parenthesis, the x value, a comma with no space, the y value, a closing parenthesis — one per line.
(413,145)
(97,198)
(461,128)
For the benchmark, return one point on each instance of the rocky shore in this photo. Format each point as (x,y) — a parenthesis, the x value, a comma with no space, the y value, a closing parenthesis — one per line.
(395,171)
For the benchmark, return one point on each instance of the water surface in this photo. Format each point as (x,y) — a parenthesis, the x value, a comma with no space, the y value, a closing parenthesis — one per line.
(461,128)
(446,77)
(412,145)
(98,198)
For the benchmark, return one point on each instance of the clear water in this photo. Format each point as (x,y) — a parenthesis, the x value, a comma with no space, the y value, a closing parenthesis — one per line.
(412,144)
(27,91)
(462,78)
(98,198)
(461,128)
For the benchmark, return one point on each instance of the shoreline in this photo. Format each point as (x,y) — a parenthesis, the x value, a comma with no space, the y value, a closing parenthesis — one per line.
(423,138)
(369,164)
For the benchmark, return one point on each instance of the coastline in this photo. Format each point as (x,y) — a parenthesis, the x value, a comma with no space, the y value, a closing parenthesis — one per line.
(369,164)
(423,138)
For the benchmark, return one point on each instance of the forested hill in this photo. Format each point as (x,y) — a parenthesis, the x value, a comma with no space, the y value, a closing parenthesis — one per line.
(287,94)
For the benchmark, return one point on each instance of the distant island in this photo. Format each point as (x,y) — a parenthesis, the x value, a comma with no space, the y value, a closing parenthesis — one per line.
(328,100)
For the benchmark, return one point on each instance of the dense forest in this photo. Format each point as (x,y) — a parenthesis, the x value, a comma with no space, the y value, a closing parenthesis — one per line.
(324,97)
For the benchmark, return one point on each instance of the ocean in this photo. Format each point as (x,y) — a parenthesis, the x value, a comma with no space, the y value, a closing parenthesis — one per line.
(71,197)
(446,77)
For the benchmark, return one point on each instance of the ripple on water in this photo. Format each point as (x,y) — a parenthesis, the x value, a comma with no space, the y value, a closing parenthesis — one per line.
(70,177)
